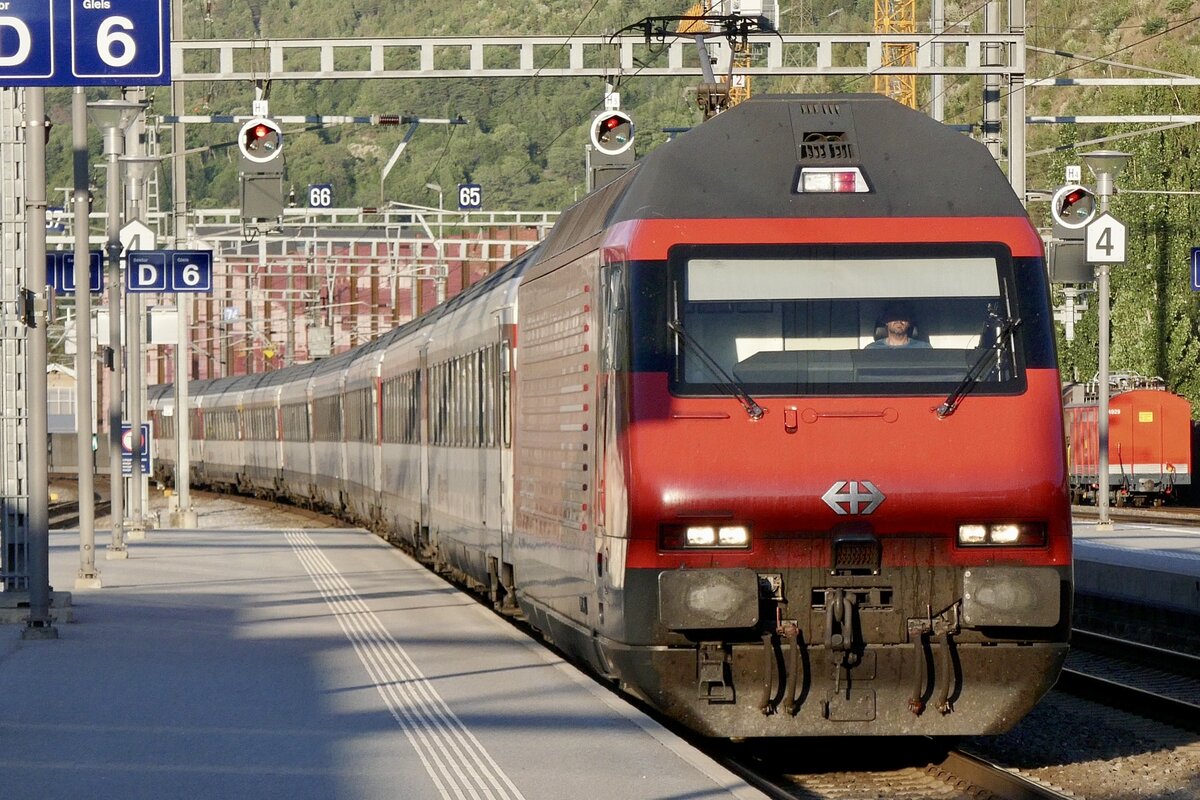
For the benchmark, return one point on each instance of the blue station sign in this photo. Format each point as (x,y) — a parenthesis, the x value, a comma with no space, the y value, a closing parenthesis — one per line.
(85,42)
(156,271)
(60,271)
(128,446)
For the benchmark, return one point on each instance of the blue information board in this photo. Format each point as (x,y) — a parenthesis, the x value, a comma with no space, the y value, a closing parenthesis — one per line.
(60,271)
(128,446)
(1196,269)
(85,43)
(169,271)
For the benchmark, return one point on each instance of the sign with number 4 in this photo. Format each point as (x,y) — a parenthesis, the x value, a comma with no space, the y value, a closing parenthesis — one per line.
(1105,242)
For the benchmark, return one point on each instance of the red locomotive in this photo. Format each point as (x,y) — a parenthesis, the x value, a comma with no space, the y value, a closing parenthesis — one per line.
(1149,443)
(768,431)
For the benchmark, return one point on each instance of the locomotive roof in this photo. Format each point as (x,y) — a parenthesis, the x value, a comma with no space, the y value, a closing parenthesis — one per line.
(745,163)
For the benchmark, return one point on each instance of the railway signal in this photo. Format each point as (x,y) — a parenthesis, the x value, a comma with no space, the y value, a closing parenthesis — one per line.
(612,132)
(1073,207)
(260,141)
(611,137)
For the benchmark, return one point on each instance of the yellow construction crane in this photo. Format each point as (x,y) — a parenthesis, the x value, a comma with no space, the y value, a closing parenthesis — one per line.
(897,16)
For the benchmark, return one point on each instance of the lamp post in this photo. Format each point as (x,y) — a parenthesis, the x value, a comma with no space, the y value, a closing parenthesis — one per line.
(88,576)
(113,118)
(39,624)
(137,169)
(1105,166)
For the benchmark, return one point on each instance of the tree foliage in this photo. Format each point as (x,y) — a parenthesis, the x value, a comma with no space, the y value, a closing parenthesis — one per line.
(525,138)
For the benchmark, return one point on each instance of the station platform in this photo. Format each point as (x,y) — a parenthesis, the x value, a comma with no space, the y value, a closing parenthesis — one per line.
(1142,560)
(318,663)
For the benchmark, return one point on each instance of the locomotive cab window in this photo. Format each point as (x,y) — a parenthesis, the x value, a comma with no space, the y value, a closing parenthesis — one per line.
(844,319)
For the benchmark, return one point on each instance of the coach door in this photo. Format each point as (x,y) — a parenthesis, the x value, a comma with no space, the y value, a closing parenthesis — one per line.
(423,467)
(501,445)
(609,338)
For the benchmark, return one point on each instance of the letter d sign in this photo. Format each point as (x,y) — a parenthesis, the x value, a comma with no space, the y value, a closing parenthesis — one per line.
(147,274)
(24,41)
(147,271)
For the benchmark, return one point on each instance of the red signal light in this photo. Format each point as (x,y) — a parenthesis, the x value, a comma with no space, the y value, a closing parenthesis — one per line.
(1071,198)
(1073,207)
(612,132)
(260,140)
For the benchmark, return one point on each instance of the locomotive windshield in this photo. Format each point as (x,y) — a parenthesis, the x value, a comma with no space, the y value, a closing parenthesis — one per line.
(842,320)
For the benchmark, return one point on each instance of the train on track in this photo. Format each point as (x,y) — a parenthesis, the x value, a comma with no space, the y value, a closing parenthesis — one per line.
(1150,442)
(767,431)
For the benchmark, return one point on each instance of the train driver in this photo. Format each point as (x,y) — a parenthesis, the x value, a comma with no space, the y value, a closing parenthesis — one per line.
(897,327)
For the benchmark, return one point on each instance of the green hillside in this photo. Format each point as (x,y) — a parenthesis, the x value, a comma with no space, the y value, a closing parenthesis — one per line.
(525,140)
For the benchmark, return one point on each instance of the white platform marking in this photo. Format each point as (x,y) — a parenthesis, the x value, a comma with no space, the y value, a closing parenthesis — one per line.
(455,760)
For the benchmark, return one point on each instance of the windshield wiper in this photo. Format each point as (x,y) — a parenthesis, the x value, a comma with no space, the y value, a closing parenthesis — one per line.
(729,384)
(976,372)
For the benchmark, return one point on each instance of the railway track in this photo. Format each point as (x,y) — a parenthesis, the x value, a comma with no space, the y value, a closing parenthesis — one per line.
(66,513)
(1161,684)
(898,770)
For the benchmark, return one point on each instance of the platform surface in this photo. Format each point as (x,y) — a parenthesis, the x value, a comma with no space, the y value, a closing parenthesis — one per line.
(315,663)
(1151,564)
(1174,545)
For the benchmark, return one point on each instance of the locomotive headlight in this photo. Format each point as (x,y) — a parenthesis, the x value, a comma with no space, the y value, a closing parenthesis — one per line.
(733,536)
(704,537)
(1002,534)
(972,534)
(1006,534)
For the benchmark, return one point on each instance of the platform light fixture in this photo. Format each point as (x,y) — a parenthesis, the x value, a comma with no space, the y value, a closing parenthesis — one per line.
(114,118)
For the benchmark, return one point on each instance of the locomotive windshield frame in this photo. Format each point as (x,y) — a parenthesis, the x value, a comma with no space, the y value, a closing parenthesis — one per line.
(804,320)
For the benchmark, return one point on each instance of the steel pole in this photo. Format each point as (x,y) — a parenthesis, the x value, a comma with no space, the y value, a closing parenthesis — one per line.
(1104,188)
(134,319)
(88,576)
(185,515)
(991,83)
(38,624)
(114,145)
(1016,108)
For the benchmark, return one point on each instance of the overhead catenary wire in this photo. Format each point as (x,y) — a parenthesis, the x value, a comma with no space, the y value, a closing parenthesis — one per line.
(1096,59)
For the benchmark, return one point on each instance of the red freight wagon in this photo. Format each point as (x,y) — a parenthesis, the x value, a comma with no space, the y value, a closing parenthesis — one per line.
(1149,447)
